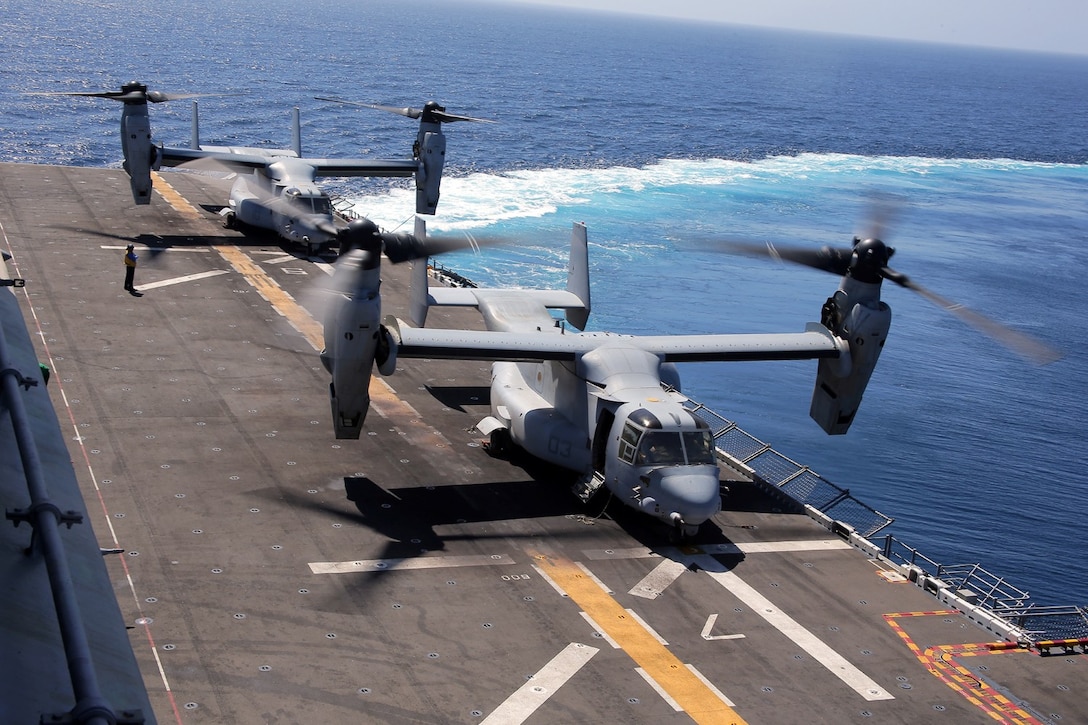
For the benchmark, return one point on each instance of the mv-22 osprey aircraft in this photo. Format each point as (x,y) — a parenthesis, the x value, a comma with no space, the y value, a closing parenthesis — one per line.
(608,406)
(275,188)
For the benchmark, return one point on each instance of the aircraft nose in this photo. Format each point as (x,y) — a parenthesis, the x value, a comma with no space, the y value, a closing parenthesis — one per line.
(692,492)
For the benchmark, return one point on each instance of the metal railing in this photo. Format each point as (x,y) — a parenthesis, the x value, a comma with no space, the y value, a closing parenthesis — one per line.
(976,586)
(971,584)
(45,519)
(788,478)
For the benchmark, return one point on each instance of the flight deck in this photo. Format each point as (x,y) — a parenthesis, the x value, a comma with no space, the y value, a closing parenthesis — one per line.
(269,573)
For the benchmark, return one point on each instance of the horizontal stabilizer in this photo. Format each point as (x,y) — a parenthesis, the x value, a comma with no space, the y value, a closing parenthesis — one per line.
(471,297)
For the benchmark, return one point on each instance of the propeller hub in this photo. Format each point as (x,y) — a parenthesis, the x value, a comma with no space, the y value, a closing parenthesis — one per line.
(364,235)
(869,258)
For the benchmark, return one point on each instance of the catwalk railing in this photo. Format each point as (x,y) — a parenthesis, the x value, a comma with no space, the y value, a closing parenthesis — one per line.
(1044,626)
(787,477)
(45,520)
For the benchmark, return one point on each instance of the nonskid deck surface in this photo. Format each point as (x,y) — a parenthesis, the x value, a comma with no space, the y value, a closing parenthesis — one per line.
(274,574)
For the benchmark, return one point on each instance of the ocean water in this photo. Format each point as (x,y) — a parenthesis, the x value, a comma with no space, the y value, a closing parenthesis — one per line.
(666,138)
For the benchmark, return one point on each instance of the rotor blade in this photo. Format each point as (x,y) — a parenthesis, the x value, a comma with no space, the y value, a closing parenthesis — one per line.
(406,247)
(438,115)
(1023,345)
(883,211)
(130,95)
(826,259)
(409,112)
(160,97)
(445,117)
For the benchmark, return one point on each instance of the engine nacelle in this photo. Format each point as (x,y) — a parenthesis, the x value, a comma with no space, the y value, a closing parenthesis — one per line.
(353,339)
(840,383)
(141,155)
(431,151)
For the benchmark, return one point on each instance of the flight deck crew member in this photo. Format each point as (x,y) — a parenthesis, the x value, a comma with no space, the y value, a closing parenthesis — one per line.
(130,268)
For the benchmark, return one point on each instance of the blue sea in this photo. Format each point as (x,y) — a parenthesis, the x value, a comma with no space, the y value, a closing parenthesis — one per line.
(665,138)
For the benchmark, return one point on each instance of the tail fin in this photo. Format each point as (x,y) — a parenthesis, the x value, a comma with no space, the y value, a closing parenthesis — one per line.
(578,275)
(194,132)
(417,286)
(296,133)
(574,299)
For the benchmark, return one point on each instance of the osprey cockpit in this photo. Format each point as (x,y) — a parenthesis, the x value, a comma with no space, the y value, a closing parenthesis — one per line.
(309,201)
(665,460)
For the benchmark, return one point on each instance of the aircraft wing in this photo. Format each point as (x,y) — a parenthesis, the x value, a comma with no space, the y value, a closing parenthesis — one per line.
(363,167)
(243,159)
(815,342)
(229,159)
(414,342)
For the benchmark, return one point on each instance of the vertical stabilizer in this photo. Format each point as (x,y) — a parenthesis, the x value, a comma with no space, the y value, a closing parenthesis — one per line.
(578,275)
(194,129)
(417,276)
(296,133)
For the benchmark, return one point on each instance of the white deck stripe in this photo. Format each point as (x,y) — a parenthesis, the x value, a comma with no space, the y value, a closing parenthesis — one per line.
(777,547)
(415,562)
(710,686)
(180,280)
(751,547)
(835,663)
(653,633)
(657,581)
(709,627)
(597,630)
(593,577)
(659,690)
(149,248)
(281,259)
(544,683)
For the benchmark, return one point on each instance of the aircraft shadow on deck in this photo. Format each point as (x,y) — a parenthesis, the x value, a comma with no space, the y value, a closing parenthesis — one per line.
(460,397)
(411,518)
(408,516)
(158,243)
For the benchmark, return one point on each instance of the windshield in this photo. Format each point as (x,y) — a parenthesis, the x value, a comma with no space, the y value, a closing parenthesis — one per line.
(659,448)
(700,446)
(663,449)
(321,204)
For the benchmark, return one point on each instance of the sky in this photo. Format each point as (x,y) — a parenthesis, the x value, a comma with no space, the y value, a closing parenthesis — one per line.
(1059,26)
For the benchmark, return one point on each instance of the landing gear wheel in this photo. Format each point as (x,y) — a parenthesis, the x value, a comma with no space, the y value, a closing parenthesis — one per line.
(500,443)
(228,220)
(683,533)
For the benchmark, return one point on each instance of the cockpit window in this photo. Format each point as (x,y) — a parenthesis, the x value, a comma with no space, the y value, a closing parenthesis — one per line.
(628,442)
(308,204)
(659,449)
(699,446)
(675,448)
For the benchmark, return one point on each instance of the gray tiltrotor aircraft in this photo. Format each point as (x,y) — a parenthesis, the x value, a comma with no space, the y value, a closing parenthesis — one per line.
(607,406)
(275,188)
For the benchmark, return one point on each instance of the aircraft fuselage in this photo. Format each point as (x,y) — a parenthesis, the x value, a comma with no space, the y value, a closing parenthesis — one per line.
(284,199)
(608,418)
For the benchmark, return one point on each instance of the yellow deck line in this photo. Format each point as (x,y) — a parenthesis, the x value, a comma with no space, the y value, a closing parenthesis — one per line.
(179,203)
(383,398)
(681,684)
